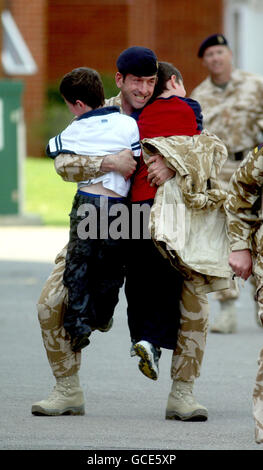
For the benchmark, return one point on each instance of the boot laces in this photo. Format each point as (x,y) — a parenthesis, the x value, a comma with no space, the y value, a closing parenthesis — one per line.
(59,389)
(185,393)
(187,396)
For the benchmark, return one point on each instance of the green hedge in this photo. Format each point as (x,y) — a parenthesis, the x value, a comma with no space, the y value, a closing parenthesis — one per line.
(46,194)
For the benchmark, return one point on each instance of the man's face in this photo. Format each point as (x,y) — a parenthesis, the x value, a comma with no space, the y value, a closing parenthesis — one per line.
(136,91)
(217,59)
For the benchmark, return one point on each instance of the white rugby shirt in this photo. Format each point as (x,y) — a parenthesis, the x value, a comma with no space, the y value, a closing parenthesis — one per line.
(102,131)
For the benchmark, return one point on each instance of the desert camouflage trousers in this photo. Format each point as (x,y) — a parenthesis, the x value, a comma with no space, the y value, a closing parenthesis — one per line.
(188,355)
(186,359)
(51,307)
(258,387)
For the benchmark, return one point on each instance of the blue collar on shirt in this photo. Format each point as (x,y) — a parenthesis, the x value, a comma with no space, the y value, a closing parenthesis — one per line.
(100,112)
(136,114)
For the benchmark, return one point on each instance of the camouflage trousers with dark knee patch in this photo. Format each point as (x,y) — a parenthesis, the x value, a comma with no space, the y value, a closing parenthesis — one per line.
(186,359)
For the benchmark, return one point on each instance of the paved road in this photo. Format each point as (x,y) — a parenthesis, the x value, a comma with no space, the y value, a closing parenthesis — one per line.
(124,410)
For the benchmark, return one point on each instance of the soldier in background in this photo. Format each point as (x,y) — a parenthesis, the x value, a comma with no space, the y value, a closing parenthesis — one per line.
(232,106)
(245,228)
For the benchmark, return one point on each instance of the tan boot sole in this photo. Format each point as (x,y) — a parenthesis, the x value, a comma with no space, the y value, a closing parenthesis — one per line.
(196,415)
(37,410)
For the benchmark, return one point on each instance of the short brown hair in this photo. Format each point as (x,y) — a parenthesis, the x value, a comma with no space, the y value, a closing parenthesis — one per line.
(165,72)
(83,84)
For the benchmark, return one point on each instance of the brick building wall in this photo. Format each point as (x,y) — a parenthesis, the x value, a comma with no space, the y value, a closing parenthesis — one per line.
(181,26)
(30,17)
(93,33)
(63,34)
(85,33)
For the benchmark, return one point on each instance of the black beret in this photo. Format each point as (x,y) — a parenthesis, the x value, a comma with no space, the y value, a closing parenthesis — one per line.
(139,61)
(214,40)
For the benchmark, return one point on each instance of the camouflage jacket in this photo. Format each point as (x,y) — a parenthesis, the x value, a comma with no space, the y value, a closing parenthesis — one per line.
(186,220)
(244,219)
(233,113)
(243,207)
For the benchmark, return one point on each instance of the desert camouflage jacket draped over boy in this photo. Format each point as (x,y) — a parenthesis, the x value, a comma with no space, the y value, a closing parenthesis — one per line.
(244,218)
(202,246)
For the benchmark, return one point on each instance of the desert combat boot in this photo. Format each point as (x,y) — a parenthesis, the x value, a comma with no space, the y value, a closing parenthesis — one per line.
(66,398)
(182,404)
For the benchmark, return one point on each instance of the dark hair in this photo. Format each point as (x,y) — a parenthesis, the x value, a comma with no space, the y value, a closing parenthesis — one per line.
(165,71)
(83,84)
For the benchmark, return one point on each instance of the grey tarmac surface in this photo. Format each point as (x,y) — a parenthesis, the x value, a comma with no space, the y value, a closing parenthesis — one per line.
(124,409)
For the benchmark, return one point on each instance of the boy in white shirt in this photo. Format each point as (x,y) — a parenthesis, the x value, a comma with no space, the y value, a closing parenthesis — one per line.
(95,264)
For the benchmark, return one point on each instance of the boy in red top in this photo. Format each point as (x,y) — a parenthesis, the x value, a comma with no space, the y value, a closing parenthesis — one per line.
(168,113)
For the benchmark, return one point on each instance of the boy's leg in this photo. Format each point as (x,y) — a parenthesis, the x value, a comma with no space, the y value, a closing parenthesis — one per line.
(153,291)
(188,355)
(153,288)
(93,298)
(94,270)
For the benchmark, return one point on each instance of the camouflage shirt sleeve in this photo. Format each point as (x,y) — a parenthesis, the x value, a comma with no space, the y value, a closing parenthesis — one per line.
(243,203)
(76,168)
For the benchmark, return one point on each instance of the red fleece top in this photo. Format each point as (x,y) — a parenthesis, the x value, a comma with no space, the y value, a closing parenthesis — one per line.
(164,117)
